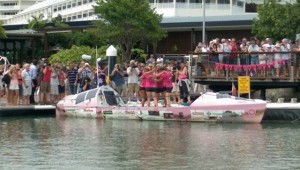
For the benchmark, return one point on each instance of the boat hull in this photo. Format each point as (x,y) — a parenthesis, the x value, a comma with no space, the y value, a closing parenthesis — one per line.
(165,114)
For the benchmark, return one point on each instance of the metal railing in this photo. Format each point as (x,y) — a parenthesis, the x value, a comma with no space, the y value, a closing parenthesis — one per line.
(258,65)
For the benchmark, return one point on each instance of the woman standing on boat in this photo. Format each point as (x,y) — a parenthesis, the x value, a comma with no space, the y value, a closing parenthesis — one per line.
(183,83)
(159,80)
(167,78)
(13,86)
(150,86)
(144,79)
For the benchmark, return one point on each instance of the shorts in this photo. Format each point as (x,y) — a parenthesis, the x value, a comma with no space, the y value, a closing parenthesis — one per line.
(160,89)
(150,89)
(21,90)
(14,87)
(169,89)
(54,89)
(61,89)
(26,91)
(45,87)
(142,88)
(175,87)
(133,87)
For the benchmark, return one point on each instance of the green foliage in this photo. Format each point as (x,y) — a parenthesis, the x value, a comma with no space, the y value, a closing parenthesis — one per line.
(140,54)
(37,22)
(2,31)
(75,55)
(126,22)
(277,21)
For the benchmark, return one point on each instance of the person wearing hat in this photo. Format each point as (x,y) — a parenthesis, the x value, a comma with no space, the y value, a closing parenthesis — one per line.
(85,73)
(277,59)
(133,80)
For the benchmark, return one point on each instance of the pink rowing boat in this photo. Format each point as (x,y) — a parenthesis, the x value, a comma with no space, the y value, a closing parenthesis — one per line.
(105,103)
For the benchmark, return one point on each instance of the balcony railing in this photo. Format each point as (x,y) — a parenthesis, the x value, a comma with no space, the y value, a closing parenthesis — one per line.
(228,66)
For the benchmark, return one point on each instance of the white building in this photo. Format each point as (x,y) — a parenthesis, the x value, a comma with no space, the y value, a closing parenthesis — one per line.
(9,8)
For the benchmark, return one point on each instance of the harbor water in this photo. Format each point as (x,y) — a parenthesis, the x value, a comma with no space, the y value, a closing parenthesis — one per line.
(72,143)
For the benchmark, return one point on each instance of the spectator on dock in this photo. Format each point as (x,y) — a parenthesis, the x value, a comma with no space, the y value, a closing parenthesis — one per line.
(133,80)
(33,73)
(285,47)
(253,49)
(13,86)
(117,76)
(151,59)
(277,58)
(19,75)
(62,84)
(86,71)
(26,84)
(45,84)
(54,82)
(72,80)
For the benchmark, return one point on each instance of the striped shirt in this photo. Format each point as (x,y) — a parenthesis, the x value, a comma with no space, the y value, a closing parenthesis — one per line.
(72,75)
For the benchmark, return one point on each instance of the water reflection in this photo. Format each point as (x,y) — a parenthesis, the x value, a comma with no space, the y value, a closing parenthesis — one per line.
(49,143)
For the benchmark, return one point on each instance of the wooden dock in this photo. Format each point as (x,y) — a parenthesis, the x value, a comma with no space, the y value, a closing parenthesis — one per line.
(28,110)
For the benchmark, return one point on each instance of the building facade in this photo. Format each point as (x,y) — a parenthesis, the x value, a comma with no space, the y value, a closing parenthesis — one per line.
(9,8)
(183,19)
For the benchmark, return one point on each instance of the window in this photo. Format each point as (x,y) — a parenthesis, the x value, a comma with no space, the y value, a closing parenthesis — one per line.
(69,6)
(69,19)
(55,9)
(90,0)
(79,16)
(91,94)
(91,13)
(73,4)
(223,1)
(73,17)
(79,3)
(84,1)
(64,20)
(80,97)
(110,98)
(84,15)
(64,7)
(59,9)
(195,1)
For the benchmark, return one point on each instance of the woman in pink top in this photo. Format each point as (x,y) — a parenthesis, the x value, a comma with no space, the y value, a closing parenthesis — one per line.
(183,82)
(13,86)
(167,78)
(144,79)
(150,86)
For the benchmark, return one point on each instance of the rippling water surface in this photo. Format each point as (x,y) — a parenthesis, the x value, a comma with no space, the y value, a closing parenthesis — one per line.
(50,143)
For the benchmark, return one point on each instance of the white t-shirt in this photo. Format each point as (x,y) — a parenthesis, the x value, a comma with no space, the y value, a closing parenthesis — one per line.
(26,75)
(133,75)
(54,78)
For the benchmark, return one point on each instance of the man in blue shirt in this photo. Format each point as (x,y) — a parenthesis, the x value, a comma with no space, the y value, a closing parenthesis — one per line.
(33,72)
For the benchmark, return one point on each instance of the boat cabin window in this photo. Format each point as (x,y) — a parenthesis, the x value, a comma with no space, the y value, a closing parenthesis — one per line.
(80,97)
(110,98)
(91,94)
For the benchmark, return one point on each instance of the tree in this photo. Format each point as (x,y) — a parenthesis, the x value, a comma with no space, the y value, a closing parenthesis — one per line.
(276,20)
(37,22)
(127,22)
(2,31)
(75,54)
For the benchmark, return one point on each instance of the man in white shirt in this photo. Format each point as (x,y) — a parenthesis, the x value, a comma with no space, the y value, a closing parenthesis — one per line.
(159,61)
(253,48)
(133,80)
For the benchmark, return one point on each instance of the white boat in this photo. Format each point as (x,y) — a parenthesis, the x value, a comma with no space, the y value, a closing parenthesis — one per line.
(105,103)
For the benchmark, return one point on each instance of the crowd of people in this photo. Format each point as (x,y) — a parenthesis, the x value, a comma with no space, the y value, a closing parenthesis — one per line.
(142,82)
(249,52)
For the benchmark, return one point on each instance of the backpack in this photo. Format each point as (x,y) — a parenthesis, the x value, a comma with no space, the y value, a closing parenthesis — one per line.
(6,79)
